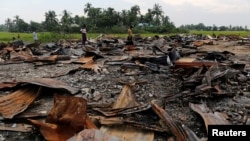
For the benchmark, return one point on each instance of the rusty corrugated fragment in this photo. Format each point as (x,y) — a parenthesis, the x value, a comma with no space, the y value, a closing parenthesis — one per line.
(126,98)
(53,132)
(209,117)
(53,58)
(51,83)
(17,128)
(84,60)
(7,85)
(134,122)
(93,135)
(66,118)
(68,110)
(123,111)
(125,101)
(129,47)
(91,65)
(21,55)
(16,102)
(128,133)
(49,59)
(179,64)
(181,134)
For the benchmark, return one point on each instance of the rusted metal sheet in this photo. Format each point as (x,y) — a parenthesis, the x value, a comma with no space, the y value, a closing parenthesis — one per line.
(16,127)
(129,47)
(48,59)
(7,85)
(84,60)
(123,111)
(51,83)
(16,102)
(21,55)
(209,118)
(179,64)
(181,134)
(128,133)
(53,132)
(91,65)
(45,82)
(93,135)
(141,123)
(66,118)
(68,111)
(53,58)
(125,103)
(126,98)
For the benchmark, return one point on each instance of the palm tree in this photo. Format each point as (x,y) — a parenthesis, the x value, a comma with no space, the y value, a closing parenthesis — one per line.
(123,16)
(77,19)
(16,21)
(93,13)
(87,7)
(133,14)
(135,10)
(149,16)
(165,20)
(157,12)
(66,21)
(8,23)
(51,22)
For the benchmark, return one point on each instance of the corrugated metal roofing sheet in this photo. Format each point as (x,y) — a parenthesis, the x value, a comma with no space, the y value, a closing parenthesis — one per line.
(16,102)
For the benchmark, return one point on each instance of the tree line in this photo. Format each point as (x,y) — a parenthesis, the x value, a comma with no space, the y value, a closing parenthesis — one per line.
(100,20)
(201,26)
(97,20)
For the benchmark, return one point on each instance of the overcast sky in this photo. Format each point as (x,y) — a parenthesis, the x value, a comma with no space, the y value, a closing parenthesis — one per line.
(180,12)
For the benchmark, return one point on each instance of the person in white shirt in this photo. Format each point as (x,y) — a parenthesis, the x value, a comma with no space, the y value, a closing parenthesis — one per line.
(84,34)
(35,37)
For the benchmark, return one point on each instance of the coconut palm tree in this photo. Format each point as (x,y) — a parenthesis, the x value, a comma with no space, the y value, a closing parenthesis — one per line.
(157,12)
(8,23)
(17,21)
(134,14)
(66,21)
(87,7)
(51,22)
(149,17)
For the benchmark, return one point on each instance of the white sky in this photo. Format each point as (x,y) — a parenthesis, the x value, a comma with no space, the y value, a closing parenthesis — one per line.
(209,12)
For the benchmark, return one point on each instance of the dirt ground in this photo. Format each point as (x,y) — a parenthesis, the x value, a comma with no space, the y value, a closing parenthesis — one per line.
(158,86)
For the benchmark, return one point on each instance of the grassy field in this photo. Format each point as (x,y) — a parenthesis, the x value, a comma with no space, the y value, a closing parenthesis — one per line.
(241,33)
(42,36)
(51,37)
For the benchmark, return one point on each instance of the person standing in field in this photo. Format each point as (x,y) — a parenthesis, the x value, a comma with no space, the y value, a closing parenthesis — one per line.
(84,34)
(130,36)
(35,37)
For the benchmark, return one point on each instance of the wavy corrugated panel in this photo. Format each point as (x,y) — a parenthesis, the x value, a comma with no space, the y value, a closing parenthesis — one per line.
(52,83)
(18,101)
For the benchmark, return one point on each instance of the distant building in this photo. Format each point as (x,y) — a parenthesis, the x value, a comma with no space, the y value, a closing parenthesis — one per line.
(145,25)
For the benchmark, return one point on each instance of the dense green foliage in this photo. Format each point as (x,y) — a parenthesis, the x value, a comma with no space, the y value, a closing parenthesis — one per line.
(107,21)
(201,26)
(98,20)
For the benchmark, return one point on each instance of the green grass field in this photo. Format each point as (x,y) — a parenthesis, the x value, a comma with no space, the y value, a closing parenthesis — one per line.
(51,37)
(241,33)
(42,36)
